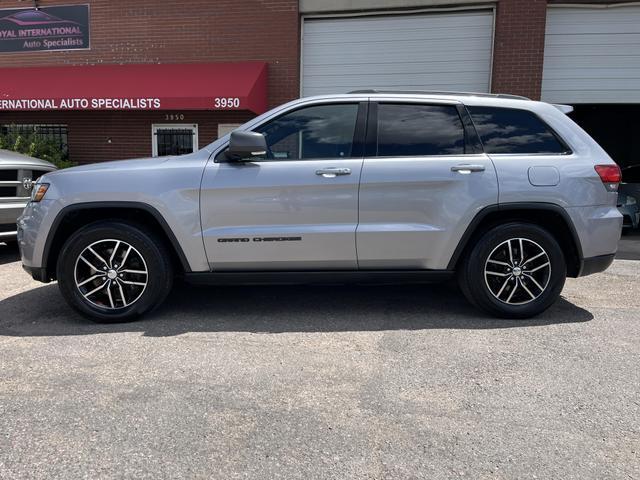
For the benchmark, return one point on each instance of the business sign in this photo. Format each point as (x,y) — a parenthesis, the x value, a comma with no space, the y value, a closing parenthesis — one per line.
(47,28)
(82,104)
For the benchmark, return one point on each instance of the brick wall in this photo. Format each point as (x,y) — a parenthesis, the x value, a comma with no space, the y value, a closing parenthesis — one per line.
(519,47)
(166,31)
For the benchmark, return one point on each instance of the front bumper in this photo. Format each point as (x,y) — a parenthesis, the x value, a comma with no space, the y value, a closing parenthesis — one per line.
(33,227)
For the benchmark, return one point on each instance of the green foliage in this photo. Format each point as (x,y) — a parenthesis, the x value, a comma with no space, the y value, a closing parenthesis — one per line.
(36,146)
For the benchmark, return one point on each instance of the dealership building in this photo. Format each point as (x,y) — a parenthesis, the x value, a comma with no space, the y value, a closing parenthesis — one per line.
(112,79)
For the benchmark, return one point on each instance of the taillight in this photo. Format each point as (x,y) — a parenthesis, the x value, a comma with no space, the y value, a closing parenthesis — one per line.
(610,176)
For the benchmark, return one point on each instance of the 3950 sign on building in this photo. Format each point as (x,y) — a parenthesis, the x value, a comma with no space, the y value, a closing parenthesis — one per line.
(45,28)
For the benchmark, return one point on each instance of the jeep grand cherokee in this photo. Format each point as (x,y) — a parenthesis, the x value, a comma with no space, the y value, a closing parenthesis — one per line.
(508,195)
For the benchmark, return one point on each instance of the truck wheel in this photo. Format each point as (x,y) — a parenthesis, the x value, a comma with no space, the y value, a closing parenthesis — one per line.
(111,271)
(516,270)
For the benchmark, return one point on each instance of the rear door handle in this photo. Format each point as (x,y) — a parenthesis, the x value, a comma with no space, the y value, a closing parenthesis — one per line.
(467,169)
(332,172)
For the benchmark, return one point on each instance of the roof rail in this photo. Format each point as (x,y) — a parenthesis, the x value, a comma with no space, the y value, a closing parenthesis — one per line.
(436,92)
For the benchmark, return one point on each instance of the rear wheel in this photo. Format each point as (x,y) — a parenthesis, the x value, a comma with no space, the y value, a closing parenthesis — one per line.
(114,272)
(516,270)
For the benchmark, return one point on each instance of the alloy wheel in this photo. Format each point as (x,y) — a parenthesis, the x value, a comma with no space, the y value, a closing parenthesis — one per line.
(517,271)
(111,274)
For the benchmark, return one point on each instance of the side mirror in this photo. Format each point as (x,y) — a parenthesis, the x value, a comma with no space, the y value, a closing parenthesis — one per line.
(246,145)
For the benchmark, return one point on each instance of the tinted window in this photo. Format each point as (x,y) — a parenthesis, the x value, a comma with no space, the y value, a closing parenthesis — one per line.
(507,130)
(414,130)
(322,131)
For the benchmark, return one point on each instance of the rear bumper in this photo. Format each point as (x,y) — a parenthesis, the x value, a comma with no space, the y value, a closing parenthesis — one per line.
(597,264)
(598,230)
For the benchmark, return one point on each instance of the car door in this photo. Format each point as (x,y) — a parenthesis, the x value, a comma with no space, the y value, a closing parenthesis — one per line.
(296,208)
(424,179)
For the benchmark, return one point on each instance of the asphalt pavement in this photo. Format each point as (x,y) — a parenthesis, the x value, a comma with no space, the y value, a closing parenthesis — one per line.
(334,382)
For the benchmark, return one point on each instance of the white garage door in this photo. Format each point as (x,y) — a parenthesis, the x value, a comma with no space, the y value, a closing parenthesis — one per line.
(592,55)
(437,51)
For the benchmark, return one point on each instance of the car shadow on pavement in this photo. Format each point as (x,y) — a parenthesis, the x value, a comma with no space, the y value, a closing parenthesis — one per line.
(275,309)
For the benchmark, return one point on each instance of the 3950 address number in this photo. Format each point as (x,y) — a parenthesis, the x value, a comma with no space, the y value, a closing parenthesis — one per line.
(226,102)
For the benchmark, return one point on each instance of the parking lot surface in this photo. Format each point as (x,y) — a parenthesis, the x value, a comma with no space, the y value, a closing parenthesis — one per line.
(322,382)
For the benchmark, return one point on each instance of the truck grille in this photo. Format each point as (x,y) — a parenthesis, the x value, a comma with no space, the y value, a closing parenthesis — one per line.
(8,175)
(11,182)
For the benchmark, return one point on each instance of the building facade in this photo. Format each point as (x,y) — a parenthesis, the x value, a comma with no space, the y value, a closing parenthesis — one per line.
(205,66)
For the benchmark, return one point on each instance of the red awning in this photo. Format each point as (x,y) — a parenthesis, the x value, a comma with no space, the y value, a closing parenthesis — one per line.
(193,86)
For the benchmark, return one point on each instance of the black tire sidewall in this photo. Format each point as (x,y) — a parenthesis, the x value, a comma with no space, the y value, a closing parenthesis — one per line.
(155,257)
(474,286)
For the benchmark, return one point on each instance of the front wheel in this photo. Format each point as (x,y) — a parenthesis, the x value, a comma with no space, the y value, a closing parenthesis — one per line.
(516,270)
(111,271)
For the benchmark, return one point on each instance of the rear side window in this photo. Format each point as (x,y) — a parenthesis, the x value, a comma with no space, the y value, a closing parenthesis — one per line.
(509,130)
(406,130)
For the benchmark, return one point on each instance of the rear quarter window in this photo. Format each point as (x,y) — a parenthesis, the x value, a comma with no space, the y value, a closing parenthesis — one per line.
(510,130)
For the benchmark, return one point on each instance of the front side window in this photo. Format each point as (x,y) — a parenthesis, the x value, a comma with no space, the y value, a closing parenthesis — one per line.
(407,130)
(321,131)
(509,130)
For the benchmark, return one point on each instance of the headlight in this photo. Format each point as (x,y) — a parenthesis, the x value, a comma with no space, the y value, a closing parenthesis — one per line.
(630,201)
(38,192)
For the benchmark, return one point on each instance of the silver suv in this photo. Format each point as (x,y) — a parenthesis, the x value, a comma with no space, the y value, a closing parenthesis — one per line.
(507,194)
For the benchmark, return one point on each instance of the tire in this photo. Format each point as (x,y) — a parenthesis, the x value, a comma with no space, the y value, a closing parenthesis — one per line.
(517,288)
(121,296)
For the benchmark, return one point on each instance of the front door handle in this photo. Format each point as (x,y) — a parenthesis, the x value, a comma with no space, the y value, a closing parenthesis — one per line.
(333,172)
(467,169)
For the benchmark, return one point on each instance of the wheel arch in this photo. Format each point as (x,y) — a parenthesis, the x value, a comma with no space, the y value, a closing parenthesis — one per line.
(546,215)
(73,217)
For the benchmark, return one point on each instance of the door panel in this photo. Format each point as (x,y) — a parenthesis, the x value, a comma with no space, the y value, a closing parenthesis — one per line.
(413,211)
(280,215)
(297,207)
(420,186)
